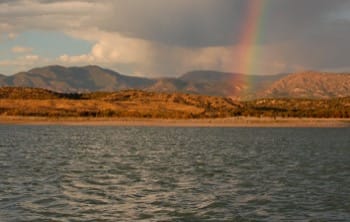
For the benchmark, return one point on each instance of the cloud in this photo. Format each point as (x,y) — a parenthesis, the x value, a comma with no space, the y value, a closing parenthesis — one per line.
(145,57)
(12,36)
(21,49)
(203,23)
(23,62)
(152,58)
(192,24)
(169,37)
(110,49)
(199,23)
(20,16)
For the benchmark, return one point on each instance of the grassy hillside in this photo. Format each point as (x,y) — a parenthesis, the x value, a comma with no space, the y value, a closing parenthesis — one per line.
(129,103)
(326,108)
(135,103)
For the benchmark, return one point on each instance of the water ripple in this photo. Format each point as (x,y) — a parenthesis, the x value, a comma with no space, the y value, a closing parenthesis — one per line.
(56,173)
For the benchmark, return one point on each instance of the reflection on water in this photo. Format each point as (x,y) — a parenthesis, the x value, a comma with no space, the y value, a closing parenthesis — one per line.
(56,173)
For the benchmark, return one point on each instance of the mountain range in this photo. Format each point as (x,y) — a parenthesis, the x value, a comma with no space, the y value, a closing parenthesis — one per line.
(94,78)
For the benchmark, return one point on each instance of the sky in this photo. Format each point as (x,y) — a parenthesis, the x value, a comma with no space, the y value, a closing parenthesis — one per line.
(170,37)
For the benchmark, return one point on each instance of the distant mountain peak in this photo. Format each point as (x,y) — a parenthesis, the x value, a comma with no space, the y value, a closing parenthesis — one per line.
(51,67)
(307,84)
(311,84)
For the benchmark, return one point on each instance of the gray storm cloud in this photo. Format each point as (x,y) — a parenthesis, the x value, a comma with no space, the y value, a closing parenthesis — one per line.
(305,33)
(312,34)
(195,23)
(185,23)
(199,23)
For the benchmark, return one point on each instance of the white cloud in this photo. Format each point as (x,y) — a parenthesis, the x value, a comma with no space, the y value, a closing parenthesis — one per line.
(24,62)
(31,58)
(110,49)
(160,37)
(21,49)
(12,36)
(21,61)
(155,59)
(79,59)
(151,58)
(56,15)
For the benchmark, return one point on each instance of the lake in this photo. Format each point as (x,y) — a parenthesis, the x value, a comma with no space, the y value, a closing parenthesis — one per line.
(114,173)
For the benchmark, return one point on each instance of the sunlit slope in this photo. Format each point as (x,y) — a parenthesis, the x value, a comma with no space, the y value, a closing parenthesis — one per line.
(76,79)
(315,85)
(17,101)
(130,103)
(310,85)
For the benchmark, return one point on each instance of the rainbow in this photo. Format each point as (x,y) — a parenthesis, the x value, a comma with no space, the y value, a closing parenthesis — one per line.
(251,32)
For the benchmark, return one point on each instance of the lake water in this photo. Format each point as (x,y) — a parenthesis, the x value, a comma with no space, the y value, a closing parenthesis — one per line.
(77,173)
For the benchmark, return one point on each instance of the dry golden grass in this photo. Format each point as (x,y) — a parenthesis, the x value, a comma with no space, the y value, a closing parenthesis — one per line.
(64,107)
(141,104)
(128,103)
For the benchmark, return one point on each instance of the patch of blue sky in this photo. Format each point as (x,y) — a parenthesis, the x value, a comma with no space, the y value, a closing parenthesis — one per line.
(49,44)
(5,48)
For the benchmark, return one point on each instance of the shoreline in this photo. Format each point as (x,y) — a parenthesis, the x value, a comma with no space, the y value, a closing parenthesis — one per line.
(214,122)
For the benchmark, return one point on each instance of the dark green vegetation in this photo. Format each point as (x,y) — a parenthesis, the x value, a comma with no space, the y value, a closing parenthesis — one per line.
(320,108)
(17,101)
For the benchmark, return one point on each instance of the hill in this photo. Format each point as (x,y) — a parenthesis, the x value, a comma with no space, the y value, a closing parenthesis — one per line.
(2,77)
(18,101)
(169,85)
(126,103)
(288,107)
(213,83)
(228,84)
(27,93)
(76,79)
(94,78)
(310,85)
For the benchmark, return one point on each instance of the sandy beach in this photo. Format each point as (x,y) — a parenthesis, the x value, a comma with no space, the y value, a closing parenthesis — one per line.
(218,122)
